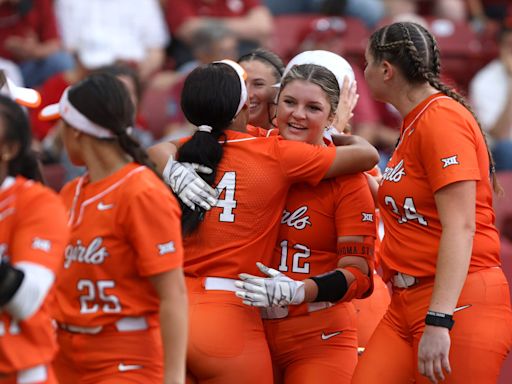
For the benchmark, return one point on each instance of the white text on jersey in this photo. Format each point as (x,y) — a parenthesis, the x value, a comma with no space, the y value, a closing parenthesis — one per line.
(395,173)
(94,253)
(296,219)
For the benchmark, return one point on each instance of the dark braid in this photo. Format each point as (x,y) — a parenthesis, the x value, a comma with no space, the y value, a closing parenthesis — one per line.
(414,50)
(134,149)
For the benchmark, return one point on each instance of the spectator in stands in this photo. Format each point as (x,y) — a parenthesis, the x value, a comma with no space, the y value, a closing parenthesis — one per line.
(29,37)
(161,105)
(491,94)
(481,11)
(133,31)
(370,11)
(250,21)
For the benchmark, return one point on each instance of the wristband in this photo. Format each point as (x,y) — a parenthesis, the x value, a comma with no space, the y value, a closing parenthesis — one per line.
(332,286)
(439,319)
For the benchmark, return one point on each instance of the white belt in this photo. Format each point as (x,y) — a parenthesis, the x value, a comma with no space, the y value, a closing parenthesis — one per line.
(402,280)
(126,324)
(282,312)
(220,284)
(36,374)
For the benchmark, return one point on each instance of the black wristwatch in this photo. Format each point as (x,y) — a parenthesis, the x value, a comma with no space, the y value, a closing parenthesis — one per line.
(439,319)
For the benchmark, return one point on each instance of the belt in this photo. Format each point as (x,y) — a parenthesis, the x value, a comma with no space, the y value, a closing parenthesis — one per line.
(219,284)
(403,280)
(126,324)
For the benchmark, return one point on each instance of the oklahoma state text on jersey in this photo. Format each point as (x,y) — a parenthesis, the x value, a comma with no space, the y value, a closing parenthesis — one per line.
(124,228)
(32,229)
(440,144)
(253,179)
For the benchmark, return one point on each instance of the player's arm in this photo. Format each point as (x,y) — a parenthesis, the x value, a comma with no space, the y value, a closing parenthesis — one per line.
(183,179)
(171,289)
(352,279)
(455,204)
(353,154)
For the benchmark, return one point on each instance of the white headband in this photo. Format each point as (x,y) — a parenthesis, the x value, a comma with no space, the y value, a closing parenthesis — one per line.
(65,110)
(242,75)
(25,96)
(329,60)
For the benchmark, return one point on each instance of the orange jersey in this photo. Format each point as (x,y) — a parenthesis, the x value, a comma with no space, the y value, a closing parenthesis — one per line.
(440,144)
(124,228)
(313,220)
(253,179)
(32,229)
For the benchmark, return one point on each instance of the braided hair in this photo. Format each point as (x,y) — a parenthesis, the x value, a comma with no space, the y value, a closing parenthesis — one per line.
(413,49)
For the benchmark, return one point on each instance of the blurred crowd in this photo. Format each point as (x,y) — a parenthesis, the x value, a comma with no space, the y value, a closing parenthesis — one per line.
(152,45)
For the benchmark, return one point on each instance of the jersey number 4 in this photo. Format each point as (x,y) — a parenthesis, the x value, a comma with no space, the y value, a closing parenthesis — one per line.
(95,297)
(227,187)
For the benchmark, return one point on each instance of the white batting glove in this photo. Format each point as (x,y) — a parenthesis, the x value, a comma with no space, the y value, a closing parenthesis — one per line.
(191,189)
(275,290)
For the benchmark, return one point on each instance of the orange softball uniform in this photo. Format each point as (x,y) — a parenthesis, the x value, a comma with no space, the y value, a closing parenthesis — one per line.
(226,341)
(124,228)
(312,221)
(32,229)
(440,144)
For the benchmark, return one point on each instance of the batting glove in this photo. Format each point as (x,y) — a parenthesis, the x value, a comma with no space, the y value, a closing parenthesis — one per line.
(275,290)
(190,188)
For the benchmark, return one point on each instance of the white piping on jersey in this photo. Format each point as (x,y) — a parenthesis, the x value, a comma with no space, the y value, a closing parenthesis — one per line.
(7,183)
(269,132)
(237,140)
(418,116)
(95,197)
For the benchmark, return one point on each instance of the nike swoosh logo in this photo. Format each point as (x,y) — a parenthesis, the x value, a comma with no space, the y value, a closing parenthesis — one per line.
(104,207)
(461,308)
(128,367)
(327,336)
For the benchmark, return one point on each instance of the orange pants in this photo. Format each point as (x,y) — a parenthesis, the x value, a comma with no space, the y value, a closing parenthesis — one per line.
(227,342)
(318,347)
(480,339)
(110,357)
(14,378)
(370,310)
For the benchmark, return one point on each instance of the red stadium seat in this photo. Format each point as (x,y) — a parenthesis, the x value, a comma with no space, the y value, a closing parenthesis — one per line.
(291,30)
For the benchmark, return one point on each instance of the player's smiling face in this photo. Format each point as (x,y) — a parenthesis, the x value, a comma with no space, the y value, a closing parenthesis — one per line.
(303,112)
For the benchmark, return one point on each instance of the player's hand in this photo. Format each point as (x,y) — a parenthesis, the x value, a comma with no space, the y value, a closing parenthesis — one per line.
(274,290)
(346,105)
(191,189)
(433,353)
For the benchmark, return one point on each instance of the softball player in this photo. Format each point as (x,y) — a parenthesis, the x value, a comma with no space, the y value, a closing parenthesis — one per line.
(449,317)
(121,285)
(33,234)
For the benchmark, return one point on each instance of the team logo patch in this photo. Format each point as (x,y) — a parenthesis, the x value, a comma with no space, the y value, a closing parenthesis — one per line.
(452,160)
(166,248)
(367,217)
(41,244)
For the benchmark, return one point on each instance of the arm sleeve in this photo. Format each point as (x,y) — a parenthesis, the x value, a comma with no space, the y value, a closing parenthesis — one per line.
(355,209)
(41,232)
(153,223)
(302,162)
(447,146)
